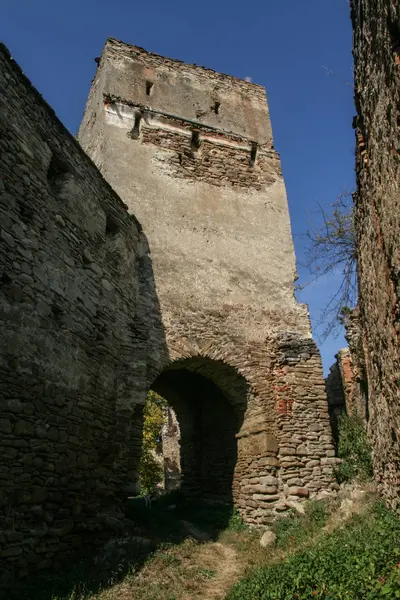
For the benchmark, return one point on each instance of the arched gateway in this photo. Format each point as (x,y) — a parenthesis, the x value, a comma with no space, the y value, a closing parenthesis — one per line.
(190,151)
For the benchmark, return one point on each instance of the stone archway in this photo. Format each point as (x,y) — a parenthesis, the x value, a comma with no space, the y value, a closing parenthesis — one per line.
(260,438)
(210,399)
(225,411)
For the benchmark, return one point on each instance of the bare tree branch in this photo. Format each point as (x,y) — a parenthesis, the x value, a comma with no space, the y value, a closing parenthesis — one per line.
(331,249)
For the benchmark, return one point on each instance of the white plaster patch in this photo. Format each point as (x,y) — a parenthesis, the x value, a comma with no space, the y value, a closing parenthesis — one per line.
(119,115)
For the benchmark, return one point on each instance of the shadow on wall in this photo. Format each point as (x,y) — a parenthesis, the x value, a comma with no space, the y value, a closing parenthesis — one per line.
(209,399)
(169,521)
(82,337)
(80,329)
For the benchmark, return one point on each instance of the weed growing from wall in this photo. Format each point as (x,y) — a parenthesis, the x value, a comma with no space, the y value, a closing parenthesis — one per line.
(354,450)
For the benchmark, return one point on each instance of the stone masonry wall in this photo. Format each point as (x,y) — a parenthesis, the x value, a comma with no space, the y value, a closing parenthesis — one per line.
(376,52)
(75,306)
(170,438)
(191,153)
(88,327)
(346,384)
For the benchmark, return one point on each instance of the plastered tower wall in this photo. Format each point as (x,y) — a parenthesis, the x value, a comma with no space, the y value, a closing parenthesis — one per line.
(216,214)
(376,50)
(191,153)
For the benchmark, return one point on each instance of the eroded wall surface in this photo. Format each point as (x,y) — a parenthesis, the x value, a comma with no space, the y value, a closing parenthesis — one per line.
(191,153)
(170,437)
(94,310)
(75,306)
(376,52)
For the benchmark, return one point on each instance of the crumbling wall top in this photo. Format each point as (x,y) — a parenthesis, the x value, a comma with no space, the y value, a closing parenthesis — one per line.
(191,92)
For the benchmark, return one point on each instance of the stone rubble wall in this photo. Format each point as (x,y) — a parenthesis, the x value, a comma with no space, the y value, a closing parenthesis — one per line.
(209,191)
(285,452)
(376,50)
(306,454)
(346,384)
(170,439)
(221,158)
(90,320)
(336,399)
(74,316)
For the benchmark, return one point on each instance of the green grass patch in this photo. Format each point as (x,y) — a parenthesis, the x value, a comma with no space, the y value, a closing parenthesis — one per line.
(354,450)
(359,561)
(293,529)
(207,573)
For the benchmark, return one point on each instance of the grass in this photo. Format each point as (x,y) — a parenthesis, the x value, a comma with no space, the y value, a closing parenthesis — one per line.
(354,450)
(160,559)
(358,561)
(199,551)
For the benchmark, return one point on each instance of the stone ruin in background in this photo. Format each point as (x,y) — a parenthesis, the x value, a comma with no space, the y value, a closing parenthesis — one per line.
(346,384)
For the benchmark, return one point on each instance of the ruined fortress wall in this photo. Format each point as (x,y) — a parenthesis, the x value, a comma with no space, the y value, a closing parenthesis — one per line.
(191,153)
(377,92)
(73,317)
(170,437)
(81,328)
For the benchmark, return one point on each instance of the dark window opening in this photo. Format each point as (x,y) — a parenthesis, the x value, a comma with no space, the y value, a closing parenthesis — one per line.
(112,226)
(135,133)
(180,158)
(394,32)
(58,174)
(26,211)
(57,312)
(216,107)
(149,87)
(253,154)
(195,143)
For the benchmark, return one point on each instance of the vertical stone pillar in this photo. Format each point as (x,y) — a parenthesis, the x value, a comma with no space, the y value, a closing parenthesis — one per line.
(306,452)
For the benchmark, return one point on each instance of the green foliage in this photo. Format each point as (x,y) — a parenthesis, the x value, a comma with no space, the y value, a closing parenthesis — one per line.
(151,470)
(359,561)
(354,449)
(316,512)
(236,522)
(294,528)
(207,573)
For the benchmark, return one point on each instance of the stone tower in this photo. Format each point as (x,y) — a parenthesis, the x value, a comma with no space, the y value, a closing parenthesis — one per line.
(190,151)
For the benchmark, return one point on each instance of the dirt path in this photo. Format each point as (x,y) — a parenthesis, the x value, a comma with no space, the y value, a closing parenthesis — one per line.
(216,558)
(227,571)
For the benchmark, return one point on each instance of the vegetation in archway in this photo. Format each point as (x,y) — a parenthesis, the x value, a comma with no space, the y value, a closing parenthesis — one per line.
(151,469)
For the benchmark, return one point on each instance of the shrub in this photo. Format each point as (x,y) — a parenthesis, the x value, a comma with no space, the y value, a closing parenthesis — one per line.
(294,528)
(151,470)
(359,561)
(354,449)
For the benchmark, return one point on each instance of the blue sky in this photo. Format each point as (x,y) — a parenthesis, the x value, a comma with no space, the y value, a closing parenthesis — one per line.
(299,50)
